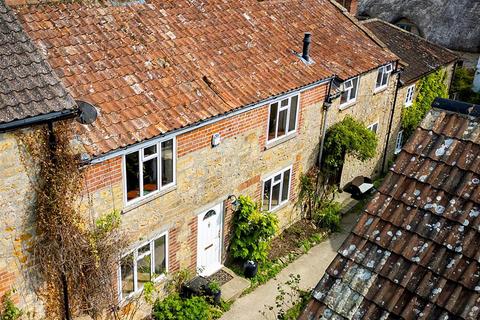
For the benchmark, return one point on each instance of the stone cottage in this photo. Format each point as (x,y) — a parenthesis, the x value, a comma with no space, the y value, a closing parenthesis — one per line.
(419,58)
(197,103)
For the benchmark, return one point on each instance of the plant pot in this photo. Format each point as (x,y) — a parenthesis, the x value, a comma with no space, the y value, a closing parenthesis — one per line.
(250,269)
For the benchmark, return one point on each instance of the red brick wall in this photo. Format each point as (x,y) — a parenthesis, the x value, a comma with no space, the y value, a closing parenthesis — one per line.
(103,174)
(173,247)
(7,279)
(192,242)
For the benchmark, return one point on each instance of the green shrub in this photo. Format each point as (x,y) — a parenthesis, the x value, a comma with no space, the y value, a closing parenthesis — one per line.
(253,231)
(328,216)
(174,307)
(462,85)
(8,310)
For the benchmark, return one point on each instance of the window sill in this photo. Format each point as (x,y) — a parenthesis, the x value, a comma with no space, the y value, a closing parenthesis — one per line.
(130,206)
(380,90)
(397,151)
(347,105)
(275,143)
(280,207)
(408,105)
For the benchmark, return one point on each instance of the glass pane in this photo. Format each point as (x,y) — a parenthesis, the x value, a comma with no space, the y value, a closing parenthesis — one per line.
(286,182)
(292,122)
(284,103)
(149,151)
(150,176)
(126,270)
(344,96)
(144,271)
(282,123)
(353,93)
(144,249)
(167,162)
(160,254)
(385,79)
(277,178)
(133,181)
(379,78)
(266,194)
(275,195)
(272,123)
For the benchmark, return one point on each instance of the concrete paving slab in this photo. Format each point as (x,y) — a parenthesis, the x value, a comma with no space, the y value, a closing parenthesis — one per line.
(232,289)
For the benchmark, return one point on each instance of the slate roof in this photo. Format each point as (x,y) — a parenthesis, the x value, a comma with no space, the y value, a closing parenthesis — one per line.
(28,85)
(414,253)
(421,55)
(155,67)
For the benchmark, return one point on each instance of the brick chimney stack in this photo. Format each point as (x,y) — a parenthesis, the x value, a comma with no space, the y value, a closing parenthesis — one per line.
(350,5)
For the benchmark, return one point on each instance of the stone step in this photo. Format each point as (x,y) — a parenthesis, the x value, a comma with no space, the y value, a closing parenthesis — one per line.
(233,288)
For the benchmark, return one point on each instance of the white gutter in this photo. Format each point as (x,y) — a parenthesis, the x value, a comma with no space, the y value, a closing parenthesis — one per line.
(200,124)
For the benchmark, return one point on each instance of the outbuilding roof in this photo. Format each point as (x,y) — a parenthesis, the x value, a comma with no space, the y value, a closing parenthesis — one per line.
(414,253)
(161,65)
(420,55)
(28,85)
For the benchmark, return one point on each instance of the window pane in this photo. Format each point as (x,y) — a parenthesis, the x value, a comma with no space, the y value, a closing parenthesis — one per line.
(292,122)
(150,176)
(284,103)
(353,93)
(149,151)
(167,162)
(379,77)
(132,169)
(275,195)
(277,178)
(144,270)
(286,182)
(266,194)
(272,123)
(144,249)
(160,254)
(126,270)
(385,78)
(344,97)
(282,123)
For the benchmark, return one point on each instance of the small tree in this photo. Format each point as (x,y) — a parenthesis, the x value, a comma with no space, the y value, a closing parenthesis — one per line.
(253,231)
(429,88)
(347,137)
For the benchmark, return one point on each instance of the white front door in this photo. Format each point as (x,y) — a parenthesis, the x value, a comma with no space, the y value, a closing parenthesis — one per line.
(210,240)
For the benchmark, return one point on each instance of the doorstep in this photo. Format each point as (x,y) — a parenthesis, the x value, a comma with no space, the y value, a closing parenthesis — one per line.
(233,288)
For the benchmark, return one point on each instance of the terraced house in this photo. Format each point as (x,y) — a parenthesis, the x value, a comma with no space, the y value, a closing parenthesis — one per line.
(196,102)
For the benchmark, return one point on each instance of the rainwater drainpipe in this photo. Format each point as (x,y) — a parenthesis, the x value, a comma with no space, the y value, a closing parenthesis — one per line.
(392,113)
(326,105)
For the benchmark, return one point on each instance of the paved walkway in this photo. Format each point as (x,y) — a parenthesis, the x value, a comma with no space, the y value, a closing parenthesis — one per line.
(310,266)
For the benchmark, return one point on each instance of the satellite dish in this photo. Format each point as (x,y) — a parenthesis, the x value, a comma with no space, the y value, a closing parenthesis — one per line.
(87,112)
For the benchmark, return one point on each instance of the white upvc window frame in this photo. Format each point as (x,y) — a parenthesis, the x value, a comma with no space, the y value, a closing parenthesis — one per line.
(386,71)
(372,126)
(399,142)
(136,257)
(409,96)
(142,160)
(348,86)
(274,183)
(281,108)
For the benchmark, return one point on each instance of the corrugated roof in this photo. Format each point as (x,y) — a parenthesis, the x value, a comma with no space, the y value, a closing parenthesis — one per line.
(421,55)
(163,65)
(28,85)
(414,253)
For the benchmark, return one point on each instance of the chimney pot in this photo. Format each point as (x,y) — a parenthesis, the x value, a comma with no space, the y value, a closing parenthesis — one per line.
(306,46)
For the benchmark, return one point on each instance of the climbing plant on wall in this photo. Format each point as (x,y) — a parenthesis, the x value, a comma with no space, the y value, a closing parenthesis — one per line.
(74,256)
(429,88)
(347,137)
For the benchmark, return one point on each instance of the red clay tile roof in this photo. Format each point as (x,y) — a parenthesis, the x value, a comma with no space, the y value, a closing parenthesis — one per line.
(414,253)
(155,67)
(28,85)
(421,55)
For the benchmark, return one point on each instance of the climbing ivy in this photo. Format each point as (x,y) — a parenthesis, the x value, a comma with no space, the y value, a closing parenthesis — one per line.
(429,88)
(347,137)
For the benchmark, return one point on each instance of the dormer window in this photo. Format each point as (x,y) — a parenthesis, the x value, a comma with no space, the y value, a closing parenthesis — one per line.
(382,77)
(349,94)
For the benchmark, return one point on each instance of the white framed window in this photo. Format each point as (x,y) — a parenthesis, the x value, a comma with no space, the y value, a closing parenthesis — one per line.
(350,89)
(383,75)
(399,142)
(149,170)
(148,262)
(282,118)
(373,127)
(276,189)
(409,96)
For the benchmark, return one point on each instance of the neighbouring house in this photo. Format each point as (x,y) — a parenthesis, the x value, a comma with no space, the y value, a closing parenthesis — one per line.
(198,101)
(419,58)
(452,24)
(414,251)
(31,95)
